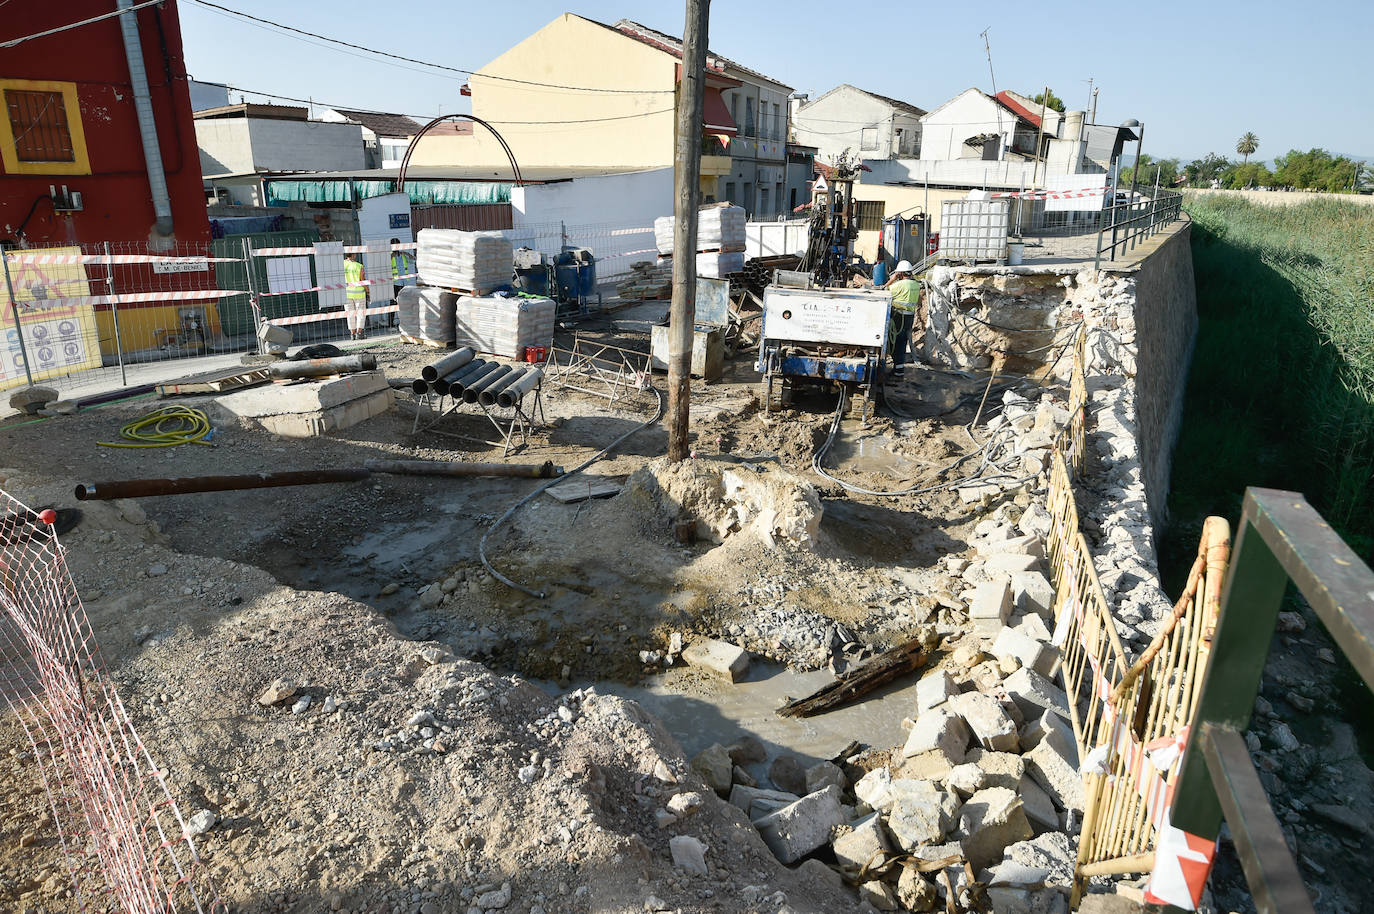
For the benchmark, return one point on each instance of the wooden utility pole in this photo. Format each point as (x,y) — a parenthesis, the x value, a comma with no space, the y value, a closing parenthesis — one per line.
(682,316)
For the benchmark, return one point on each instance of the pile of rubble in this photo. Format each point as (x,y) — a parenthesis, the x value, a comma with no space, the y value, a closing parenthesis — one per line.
(649,281)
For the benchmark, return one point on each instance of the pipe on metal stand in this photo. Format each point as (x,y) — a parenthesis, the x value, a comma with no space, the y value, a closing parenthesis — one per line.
(457,391)
(488,396)
(513,394)
(447,365)
(445,385)
(139,488)
(472,391)
(322,368)
(545,470)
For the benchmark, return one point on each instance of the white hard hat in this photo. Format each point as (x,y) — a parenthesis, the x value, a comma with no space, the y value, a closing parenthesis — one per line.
(903,267)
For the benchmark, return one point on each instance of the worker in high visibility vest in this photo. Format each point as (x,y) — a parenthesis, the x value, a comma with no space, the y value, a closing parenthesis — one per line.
(355,302)
(402,264)
(906,295)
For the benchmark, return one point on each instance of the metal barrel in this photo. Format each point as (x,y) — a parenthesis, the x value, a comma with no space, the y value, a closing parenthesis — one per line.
(444,386)
(139,488)
(488,395)
(447,365)
(322,368)
(472,391)
(545,470)
(460,389)
(513,394)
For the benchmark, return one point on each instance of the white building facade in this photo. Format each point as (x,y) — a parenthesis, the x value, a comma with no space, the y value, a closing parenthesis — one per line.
(868,125)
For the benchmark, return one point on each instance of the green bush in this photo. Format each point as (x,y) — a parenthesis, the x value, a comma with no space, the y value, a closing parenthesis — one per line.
(1281,391)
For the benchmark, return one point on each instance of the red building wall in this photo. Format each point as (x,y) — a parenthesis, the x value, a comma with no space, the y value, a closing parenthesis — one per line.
(116,197)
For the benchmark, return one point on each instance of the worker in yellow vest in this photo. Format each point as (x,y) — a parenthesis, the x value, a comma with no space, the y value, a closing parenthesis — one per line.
(402,264)
(355,302)
(906,295)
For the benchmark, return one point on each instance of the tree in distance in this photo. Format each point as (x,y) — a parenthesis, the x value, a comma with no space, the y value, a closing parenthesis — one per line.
(1247,145)
(1053,101)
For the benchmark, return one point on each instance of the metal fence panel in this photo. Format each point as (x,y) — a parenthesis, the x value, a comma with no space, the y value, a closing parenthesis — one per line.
(974,229)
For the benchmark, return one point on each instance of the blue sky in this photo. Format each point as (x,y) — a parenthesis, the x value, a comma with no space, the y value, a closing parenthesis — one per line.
(1198,74)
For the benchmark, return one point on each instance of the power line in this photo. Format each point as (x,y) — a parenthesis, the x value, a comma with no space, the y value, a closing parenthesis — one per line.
(63,28)
(426,117)
(424,63)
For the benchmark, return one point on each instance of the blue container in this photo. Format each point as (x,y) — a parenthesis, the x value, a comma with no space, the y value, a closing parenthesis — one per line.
(533,280)
(879,273)
(575,273)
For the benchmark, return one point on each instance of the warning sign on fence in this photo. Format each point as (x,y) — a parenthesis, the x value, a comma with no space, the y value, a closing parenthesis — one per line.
(60,337)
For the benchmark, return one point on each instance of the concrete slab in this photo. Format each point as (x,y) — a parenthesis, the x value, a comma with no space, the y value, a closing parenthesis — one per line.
(309,409)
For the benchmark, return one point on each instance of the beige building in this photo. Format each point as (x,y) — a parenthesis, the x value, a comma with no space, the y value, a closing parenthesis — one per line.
(581,93)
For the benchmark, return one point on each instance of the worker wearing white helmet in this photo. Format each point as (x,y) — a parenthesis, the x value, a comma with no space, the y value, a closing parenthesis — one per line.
(906,295)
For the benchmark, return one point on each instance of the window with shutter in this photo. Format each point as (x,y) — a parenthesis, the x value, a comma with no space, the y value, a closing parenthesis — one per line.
(40,130)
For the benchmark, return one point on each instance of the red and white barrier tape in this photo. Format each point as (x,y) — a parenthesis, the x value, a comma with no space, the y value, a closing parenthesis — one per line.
(1052,194)
(328,316)
(64,259)
(125,299)
(348,249)
(391,280)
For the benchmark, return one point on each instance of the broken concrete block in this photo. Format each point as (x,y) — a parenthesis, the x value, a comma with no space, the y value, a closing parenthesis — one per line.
(689,854)
(1010,562)
(1031,592)
(1040,811)
(991,819)
(875,789)
(1015,545)
(308,408)
(739,776)
(991,606)
(1034,732)
(1032,626)
(968,654)
(1053,763)
(921,813)
(915,892)
(1033,693)
(764,801)
(938,730)
(719,657)
(878,894)
(992,727)
(1029,652)
(865,845)
(746,750)
(822,774)
(987,769)
(713,764)
(973,493)
(786,773)
(1035,520)
(798,829)
(934,689)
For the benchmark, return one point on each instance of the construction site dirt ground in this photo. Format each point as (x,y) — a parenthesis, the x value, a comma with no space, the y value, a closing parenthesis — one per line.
(200,601)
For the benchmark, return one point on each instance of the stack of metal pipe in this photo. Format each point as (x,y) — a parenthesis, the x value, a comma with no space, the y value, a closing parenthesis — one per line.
(462,376)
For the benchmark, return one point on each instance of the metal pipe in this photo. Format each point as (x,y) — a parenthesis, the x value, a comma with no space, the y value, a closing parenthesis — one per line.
(447,365)
(322,368)
(472,391)
(545,470)
(114,314)
(113,395)
(141,488)
(488,395)
(456,390)
(147,126)
(513,394)
(445,385)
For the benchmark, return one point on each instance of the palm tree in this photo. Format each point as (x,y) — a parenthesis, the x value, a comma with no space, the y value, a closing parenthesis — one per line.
(1246,145)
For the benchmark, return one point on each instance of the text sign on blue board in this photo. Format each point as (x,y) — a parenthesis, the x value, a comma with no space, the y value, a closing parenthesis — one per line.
(399,220)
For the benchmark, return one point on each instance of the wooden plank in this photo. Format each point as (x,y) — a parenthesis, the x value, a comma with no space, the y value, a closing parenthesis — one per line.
(859,681)
(583,488)
(214,381)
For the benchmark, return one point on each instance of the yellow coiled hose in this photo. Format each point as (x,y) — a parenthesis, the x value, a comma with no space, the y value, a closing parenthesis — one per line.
(166,427)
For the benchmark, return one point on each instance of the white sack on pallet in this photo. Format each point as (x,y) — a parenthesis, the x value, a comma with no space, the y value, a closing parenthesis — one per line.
(472,261)
(719,228)
(717,266)
(504,326)
(426,314)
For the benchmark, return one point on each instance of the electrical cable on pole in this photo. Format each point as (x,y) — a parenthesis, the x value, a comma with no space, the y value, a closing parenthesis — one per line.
(996,104)
(682,315)
(74,25)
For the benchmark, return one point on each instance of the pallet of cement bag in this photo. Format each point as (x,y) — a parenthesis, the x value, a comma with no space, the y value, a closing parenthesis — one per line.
(478,262)
(720,227)
(719,265)
(504,325)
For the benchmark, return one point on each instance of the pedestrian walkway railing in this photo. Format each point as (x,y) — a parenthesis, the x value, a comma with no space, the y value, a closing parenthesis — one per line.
(1281,539)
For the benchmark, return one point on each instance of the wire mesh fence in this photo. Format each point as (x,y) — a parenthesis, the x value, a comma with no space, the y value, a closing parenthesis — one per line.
(120,834)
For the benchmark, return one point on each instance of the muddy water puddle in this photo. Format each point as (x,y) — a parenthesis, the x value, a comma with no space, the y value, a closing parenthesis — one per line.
(699,711)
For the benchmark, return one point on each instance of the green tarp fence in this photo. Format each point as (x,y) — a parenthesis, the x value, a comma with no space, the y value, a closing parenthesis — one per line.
(282,192)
